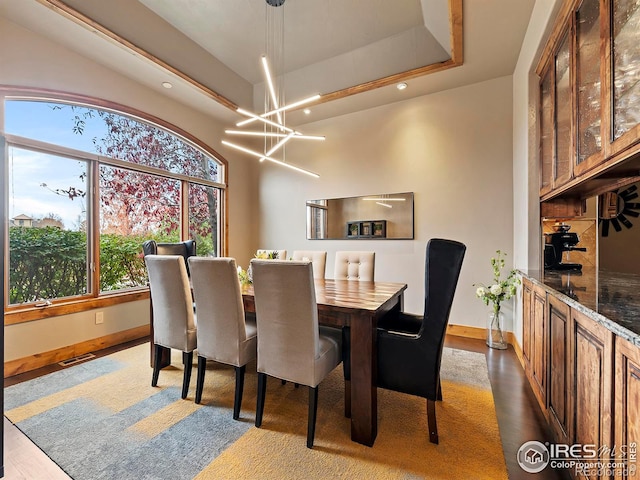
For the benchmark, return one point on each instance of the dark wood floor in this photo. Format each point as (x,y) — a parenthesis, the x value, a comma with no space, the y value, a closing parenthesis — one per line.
(519,417)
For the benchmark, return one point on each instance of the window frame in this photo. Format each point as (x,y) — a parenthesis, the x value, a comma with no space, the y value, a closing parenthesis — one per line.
(95,299)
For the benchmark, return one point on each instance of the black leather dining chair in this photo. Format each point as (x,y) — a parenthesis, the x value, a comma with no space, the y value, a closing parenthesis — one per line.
(410,347)
(186,249)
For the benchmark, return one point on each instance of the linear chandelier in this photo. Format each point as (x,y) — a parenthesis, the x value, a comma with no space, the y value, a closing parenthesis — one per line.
(275,131)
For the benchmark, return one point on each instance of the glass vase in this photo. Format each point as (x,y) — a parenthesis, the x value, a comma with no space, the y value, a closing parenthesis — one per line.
(495,332)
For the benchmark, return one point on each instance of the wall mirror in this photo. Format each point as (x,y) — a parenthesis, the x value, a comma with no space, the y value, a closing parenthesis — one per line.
(386,216)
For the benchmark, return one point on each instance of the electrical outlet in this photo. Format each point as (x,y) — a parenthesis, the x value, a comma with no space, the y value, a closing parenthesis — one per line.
(99,318)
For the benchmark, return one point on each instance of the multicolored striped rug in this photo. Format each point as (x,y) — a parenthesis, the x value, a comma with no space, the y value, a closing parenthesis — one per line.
(102,420)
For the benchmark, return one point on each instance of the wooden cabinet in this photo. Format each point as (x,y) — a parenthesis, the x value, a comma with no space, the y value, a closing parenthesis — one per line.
(560,393)
(626,405)
(535,349)
(624,51)
(591,350)
(539,345)
(527,295)
(589,111)
(591,379)
(563,161)
(589,78)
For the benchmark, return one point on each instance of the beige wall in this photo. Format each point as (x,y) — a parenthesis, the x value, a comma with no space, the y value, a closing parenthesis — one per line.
(30,60)
(453,149)
(527,243)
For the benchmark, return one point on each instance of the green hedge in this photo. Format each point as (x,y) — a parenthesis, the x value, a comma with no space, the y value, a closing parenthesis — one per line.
(47,263)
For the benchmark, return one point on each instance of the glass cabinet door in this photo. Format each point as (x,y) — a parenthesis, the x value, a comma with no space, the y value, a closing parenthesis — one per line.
(563,113)
(546,133)
(625,46)
(589,104)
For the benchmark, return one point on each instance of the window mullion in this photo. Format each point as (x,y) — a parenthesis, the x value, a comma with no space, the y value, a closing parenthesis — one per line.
(184,210)
(93,228)
(4,231)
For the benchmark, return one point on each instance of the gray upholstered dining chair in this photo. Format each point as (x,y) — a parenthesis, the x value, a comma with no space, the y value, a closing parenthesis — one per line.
(223,333)
(291,344)
(174,321)
(317,257)
(273,254)
(354,265)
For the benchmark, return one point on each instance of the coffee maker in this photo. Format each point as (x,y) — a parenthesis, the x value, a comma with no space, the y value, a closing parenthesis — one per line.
(558,242)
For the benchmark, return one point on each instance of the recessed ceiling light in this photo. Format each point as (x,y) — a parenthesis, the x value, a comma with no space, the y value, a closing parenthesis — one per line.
(306,111)
(401,86)
(166,85)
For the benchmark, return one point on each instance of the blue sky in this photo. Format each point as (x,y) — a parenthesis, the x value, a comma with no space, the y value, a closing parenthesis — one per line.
(29,170)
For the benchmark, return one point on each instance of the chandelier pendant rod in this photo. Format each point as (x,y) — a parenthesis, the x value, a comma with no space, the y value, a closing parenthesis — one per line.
(276,134)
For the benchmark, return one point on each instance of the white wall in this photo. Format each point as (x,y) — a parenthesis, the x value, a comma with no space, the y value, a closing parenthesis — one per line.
(453,149)
(28,59)
(526,206)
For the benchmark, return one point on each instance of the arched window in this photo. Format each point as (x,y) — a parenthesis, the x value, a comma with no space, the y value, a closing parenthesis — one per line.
(87,185)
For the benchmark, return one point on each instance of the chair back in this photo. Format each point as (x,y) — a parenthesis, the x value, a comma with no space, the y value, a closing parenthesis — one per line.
(186,249)
(287,318)
(273,254)
(318,259)
(442,270)
(174,323)
(354,266)
(222,332)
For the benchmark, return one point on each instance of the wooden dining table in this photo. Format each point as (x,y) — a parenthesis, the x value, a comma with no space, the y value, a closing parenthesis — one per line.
(359,306)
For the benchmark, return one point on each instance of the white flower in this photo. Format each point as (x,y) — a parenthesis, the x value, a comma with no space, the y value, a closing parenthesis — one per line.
(496,289)
(480,292)
(239,269)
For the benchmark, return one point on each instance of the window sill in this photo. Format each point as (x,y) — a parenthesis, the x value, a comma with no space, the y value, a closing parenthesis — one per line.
(18,314)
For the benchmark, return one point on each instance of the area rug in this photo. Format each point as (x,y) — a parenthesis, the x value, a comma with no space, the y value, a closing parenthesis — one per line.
(102,420)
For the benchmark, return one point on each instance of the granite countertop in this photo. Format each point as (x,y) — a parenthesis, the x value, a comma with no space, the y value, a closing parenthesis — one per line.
(609,298)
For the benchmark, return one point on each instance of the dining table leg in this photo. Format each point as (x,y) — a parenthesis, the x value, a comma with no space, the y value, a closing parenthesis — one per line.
(364,396)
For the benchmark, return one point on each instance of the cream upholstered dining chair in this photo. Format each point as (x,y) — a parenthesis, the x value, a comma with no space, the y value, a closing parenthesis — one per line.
(272,254)
(174,322)
(223,333)
(317,257)
(353,265)
(291,344)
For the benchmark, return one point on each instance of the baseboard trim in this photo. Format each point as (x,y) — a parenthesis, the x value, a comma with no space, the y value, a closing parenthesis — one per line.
(32,362)
(466,331)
